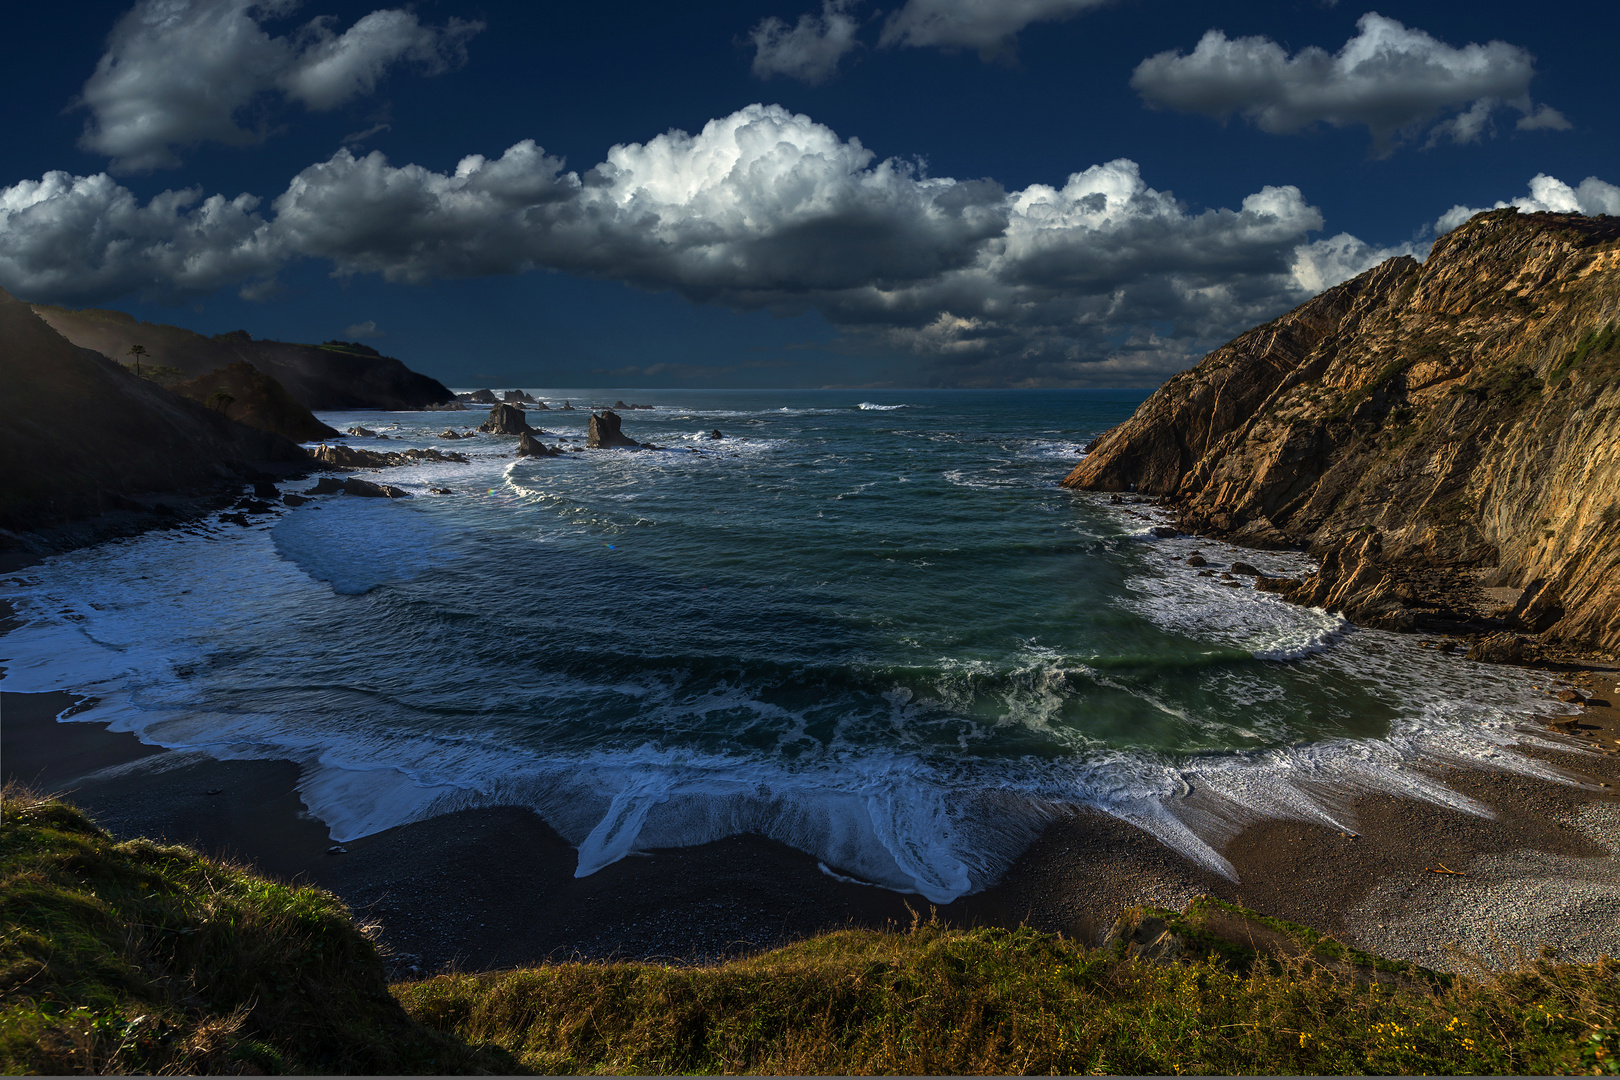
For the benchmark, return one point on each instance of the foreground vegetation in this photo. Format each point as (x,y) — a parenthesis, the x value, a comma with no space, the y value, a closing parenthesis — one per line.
(138,957)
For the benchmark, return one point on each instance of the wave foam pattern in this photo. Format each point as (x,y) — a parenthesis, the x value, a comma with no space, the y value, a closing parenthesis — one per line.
(900,651)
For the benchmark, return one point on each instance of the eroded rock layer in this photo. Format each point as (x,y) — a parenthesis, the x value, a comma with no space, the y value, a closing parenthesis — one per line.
(1430,431)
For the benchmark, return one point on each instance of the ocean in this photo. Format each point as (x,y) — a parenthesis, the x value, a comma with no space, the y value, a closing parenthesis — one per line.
(868,624)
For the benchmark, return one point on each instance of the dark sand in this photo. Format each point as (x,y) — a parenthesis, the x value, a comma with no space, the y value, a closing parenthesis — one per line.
(495,888)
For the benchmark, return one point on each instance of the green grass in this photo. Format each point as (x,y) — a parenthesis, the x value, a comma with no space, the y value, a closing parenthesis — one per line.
(136,957)
(140,957)
(933,1000)
(1594,344)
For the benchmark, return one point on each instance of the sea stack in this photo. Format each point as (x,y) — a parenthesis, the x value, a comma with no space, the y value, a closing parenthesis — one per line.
(605,434)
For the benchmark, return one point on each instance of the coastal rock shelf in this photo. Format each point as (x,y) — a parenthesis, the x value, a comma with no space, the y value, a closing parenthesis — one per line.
(1444,436)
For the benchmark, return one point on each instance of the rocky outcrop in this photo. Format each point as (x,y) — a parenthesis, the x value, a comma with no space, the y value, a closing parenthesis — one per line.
(331,485)
(1428,431)
(529,446)
(81,435)
(336,375)
(249,396)
(517,397)
(605,432)
(479,397)
(507,420)
(349,457)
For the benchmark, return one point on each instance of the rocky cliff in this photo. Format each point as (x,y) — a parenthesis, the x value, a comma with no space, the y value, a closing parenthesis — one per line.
(338,375)
(80,435)
(1445,436)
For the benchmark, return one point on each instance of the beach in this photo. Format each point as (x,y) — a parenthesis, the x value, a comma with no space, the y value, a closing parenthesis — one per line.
(494,888)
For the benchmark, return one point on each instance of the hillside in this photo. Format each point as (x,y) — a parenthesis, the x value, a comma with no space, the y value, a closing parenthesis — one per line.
(247,395)
(1430,431)
(138,957)
(340,376)
(80,434)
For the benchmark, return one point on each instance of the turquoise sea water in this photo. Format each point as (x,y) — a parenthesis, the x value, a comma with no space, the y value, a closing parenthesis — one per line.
(869,624)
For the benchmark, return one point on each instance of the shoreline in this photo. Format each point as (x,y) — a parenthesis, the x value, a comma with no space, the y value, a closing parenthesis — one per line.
(494,888)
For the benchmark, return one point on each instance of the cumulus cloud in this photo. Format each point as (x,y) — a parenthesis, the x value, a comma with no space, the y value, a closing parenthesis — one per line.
(811,49)
(1547,193)
(367,329)
(87,238)
(986,25)
(1100,278)
(1390,79)
(181,72)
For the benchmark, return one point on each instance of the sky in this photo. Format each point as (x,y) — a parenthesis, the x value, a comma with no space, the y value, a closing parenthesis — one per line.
(782,193)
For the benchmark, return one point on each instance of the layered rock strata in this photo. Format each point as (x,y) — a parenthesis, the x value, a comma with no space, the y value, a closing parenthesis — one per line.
(1444,436)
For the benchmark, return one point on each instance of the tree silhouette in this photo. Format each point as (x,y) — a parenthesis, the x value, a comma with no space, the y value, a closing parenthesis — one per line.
(137,351)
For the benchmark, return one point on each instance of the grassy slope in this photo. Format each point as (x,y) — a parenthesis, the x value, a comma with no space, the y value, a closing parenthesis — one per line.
(138,957)
(132,956)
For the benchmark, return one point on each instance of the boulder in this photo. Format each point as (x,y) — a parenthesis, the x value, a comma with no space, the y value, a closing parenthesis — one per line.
(441,491)
(1165,532)
(326,485)
(506,420)
(1569,697)
(529,446)
(356,486)
(1246,570)
(290,499)
(362,433)
(1502,649)
(1197,560)
(1143,936)
(448,434)
(715,434)
(605,432)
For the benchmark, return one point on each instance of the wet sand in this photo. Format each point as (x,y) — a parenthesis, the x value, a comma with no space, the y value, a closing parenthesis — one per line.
(495,888)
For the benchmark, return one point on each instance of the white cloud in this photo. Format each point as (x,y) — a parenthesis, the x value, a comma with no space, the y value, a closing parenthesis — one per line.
(1099,278)
(1388,78)
(809,50)
(367,329)
(85,238)
(986,25)
(1547,193)
(181,72)
(1545,118)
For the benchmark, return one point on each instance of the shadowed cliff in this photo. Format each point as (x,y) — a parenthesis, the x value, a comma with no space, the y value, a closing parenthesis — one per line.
(322,378)
(1430,431)
(79,434)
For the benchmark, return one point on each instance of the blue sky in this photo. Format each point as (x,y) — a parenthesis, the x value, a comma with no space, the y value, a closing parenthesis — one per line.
(928,193)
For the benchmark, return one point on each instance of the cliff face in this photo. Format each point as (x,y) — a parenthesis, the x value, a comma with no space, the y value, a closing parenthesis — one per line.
(1428,430)
(317,377)
(79,434)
